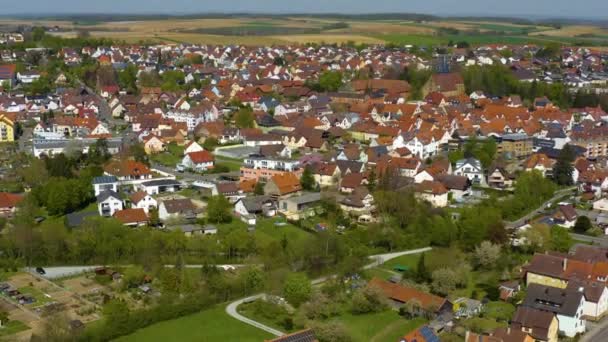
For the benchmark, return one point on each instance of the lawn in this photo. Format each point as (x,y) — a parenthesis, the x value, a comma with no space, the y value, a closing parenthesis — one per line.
(266,231)
(210,326)
(232,164)
(435,258)
(381,326)
(171,157)
(12,327)
(41,299)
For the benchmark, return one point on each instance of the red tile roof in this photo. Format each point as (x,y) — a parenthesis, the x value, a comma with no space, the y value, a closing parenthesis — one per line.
(133,215)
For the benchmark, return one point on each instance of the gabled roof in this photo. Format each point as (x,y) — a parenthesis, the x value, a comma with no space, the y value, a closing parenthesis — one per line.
(200,157)
(107,194)
(286,183)
(9,200)
(537,320)
(403,294)
(126,168)
(132,215)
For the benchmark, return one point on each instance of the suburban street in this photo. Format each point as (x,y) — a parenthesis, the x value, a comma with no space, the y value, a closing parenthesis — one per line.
(523,220)
(379,259)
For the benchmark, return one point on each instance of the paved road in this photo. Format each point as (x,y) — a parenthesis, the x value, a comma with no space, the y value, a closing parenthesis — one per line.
(231,310)
(598,333)
(379,259)
(601,241)
(539,210)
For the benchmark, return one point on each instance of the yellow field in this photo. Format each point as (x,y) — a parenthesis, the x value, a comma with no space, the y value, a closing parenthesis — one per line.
(573,31)
(360,31)
(328,38)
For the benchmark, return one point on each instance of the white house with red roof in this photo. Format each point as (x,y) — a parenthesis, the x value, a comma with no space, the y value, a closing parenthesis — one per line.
(199,161)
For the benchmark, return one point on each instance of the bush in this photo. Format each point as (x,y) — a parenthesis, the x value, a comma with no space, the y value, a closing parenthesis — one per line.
(368,299)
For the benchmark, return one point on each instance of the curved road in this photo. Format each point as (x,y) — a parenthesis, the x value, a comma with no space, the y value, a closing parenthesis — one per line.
(379,259)
(523,220)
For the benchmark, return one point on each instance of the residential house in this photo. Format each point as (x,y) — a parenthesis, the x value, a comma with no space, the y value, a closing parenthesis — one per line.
(541,325)
(401,294)
(326,174)
(351,181)
(422,334)
(458,187)
(596,297)
(307,335)
(359,202)
(108,203)
(507,334)
(104,183)
(299,206)
(199,161)
(133,217)
(177,209)
(159,186)
(565,216)
(229,190)
(283,185)
(7,127)
(566,304)
(143,200)
(433,192)
(128,170)
(249,208)
(8,203)
(500,178)
(472,169)
(448,84)
(541,163)
(192,146)
(153,144)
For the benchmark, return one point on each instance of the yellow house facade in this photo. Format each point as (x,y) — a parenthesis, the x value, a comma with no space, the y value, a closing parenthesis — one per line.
(533,278)
(7,129)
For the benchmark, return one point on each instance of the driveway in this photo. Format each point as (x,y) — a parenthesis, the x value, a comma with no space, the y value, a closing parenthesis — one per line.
(379,259)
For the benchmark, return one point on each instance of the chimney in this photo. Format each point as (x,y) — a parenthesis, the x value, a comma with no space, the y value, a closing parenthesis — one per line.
(565,263)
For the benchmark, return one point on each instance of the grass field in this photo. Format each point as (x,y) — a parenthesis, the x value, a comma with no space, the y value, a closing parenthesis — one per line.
(383,326)
(12,327)
(212,325)
(266,231)
(41,299)
(301,30)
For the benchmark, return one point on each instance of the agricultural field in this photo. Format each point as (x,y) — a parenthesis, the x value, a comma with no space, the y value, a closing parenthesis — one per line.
(262,30)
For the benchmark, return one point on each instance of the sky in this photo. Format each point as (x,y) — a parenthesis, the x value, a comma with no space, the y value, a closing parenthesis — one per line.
(595,9)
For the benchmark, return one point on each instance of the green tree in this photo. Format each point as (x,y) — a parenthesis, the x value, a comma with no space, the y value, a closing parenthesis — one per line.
(561,240)
(582,225)
(368,299)
(244,118)
(210,144)
(297,289)
(330,80)
(127,78)
(563,169)
(371,181)
(3,318)
(422,274)
(259,188)
(307,180)
(218,209)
